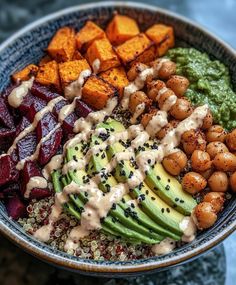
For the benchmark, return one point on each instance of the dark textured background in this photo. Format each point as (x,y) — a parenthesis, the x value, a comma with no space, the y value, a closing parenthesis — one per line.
(216,267)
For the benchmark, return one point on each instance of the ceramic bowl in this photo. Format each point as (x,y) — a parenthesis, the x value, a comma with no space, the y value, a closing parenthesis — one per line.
(28,46)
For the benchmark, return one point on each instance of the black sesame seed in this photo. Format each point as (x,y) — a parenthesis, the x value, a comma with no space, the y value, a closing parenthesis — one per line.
(113,206)
(132,205)
(147,192)
(153,198)
(149,161)
(76,148)
(168,180)
(176,199)
(75,158)
(167,187)
(158,177)
(103,156)
(181,201)
(168,210)
(123,200)
(162,210)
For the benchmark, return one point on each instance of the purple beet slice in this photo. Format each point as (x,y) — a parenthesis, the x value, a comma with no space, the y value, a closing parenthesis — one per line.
(6,118)
(31,169)
(50,147)
(6,137)
(24,123)
(69,121)
(11,190)
(26,104)
(43,92)
(37,105)
(82,109)
(27,145)
(8,172)
(45,125)
(15,208)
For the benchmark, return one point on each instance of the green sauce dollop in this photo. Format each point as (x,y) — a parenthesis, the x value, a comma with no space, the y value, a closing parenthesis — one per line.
(209,83)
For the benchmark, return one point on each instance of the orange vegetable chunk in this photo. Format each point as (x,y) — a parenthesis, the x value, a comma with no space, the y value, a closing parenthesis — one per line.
(102,50)
(116,76)
(69,71)
(62,46)
(25,73)
(97,91)
(121,28)
(88,34)
(48,75)
(162,36)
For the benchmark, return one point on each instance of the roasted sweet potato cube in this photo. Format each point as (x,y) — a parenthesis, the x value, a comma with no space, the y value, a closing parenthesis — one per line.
(77,55)
(25,73)
(146,57)
(117,77)
(88,34)
(62,46)
(69,71)
(44,60)
(48,75)
(121,28)
(97,91)
(133,48)
(102,50)
(162,36)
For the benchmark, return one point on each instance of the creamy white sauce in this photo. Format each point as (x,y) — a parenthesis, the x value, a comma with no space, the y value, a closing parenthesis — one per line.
(156,123)
(189,228)
(66,111)
(138,111)
(35,182)
(169,103)
(18,94)
(96,65)
(74,89)
(164,247)
(140,80)
(54,164)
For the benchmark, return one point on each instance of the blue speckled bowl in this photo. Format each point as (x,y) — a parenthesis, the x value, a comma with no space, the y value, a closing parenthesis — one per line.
(28,46)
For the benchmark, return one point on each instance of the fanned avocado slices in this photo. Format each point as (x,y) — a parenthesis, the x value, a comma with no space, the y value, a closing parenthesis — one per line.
(147,213)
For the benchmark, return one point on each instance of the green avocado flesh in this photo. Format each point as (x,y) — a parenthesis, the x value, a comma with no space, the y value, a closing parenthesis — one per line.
(146,214)
(209,83)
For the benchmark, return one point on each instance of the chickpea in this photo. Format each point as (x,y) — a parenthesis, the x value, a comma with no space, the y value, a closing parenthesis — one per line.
(135,70)
(216,199)
(192,140)
(213,148)
(164,97)
(193,182)
(168,127)
(154,87)
(231,140)
(207,121)
(181,109)
(205,215)
(218,181)
(167,69)
(175,162)
(147,117)
(179,84)
(200,160)
(137,98)
(232,181)
(207,173)
(225,161)
(216,133)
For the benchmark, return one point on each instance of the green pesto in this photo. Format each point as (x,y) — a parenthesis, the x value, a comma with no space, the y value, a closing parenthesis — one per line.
(209,83)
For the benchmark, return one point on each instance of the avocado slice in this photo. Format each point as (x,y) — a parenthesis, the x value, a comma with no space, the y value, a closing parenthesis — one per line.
(80,177)
(168,187)
(155,207)
(124,215)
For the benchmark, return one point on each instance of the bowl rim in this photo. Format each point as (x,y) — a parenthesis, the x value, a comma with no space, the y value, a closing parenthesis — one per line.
(106,268)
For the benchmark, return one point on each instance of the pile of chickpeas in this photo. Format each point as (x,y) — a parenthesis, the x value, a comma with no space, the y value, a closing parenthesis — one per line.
(210,151)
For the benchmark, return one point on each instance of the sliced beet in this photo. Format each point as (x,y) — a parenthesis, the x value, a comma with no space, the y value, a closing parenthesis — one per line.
(43,92)
(26,104)
(82,109)
(45,125)
(40,193)
(11,190)
(6,118)
(37,105)
(31,169)
(69,121)
(24,123)
(8,91)
(50,147)
(6,138)
(27,145)
(16,208)
(8,172)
